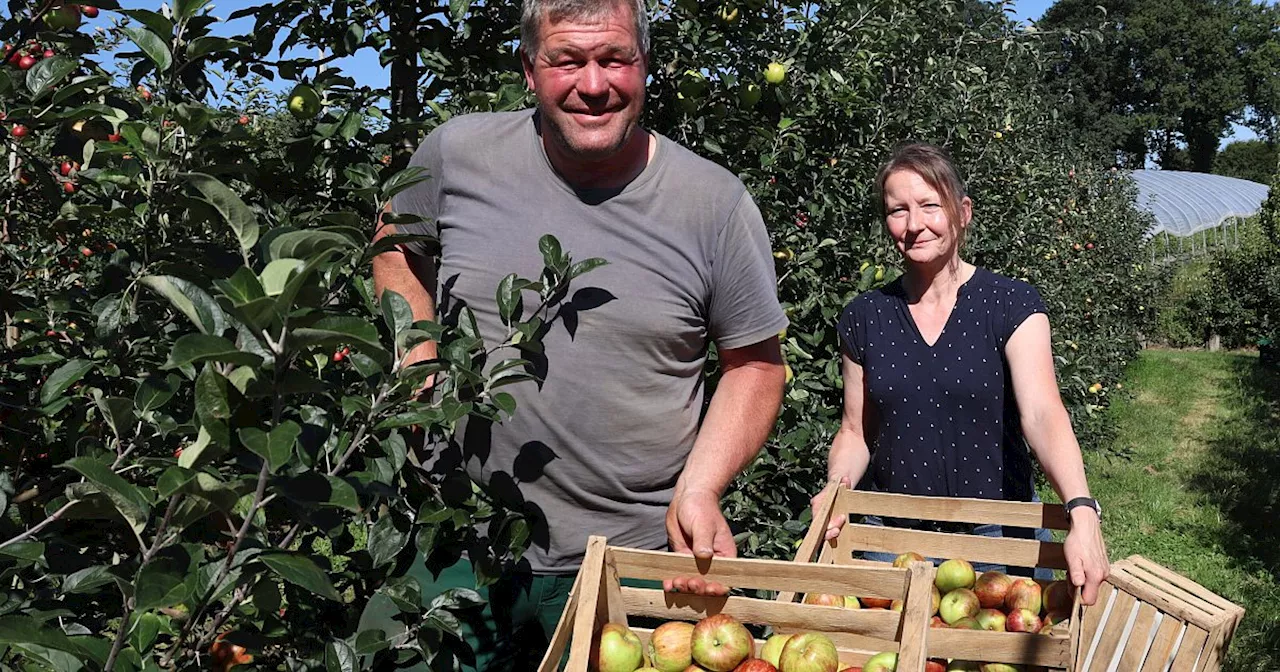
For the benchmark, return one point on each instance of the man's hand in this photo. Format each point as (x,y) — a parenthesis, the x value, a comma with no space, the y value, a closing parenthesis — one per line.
(696,526)
(1086,553)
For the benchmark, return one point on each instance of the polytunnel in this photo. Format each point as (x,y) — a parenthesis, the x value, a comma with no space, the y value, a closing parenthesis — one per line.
(1185,203)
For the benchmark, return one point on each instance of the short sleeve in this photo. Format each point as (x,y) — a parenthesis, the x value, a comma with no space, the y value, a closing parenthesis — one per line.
(423,198)
(1023,301)
(744,308)
(850,327)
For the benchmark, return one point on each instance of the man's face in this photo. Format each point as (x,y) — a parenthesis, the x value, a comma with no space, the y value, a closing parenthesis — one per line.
(589,79)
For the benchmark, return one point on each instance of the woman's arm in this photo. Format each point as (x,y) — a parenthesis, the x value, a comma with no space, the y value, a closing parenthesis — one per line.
(850,452)
(1047,427)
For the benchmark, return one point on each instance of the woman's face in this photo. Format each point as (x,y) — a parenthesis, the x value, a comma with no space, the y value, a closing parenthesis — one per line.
(919,223)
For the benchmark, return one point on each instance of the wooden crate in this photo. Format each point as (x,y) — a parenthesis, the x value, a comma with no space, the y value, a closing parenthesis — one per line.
(598,597)
(1058,650)
(1149,619)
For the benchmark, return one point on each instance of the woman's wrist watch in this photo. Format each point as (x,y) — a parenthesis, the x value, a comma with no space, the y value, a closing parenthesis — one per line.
(1084,501)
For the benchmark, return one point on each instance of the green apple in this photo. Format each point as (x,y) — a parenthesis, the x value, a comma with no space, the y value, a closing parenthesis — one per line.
(671,646)
(749,94)
(886,661)
(617,649)
(304,102)
(772,649)
(954,574)
(958,604)
(809,652)
(775,73)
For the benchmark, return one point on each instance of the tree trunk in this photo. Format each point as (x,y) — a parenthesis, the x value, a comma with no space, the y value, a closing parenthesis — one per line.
(406,108)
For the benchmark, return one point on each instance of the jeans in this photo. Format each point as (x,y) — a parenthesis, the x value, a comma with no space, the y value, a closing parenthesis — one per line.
(979,567)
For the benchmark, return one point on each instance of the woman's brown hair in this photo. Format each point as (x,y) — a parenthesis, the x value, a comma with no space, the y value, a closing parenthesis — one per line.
(934,165)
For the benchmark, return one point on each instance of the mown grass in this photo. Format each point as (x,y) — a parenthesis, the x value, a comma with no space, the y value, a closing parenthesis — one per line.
(1198,490)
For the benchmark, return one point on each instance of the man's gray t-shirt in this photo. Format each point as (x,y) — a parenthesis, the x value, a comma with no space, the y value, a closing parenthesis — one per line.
(597,447)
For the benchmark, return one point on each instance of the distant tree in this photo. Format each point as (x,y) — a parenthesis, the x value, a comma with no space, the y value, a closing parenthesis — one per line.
(1248,160)
(1164,74)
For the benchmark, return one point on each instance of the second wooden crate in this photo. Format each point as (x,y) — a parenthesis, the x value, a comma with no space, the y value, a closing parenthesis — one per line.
(1058,650)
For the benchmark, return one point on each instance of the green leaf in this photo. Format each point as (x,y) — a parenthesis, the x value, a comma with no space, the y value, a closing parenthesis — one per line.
(196,348)
(304,244)
(402,180)
(191,301)
(396,312)
(241,217)
(155,47)
(185,9)
(276,276)
(340,657)
(130,500)
(212,404)
(117,411)
(20,630)
(208,44)
(31,551)
(509,289)
(242,287)
(145,631)
(154,392)
(191,455)
(162,582)
(157,22)
(458,9)
(173,480)
(586,266)
(111,311)
(301,571)
(277,447)
(454,599)
(48,72)
(88,579)
(64,377)
(386,541)
(41,360)
(552,255)
(336,331)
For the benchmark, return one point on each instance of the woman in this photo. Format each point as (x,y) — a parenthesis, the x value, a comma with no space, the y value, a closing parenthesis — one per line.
(949,374)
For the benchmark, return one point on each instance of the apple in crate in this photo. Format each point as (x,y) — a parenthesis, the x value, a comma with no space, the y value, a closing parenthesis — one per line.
(958,604)
(904,560)
(671,646)
(937,599)
(876,602)
(935,665)
(970,623)
(991,619)
(616,649)
(824,599)
(720,643)
(809,652)
(937,622)
(1057,597)
(992,588)
(954,574)
(1023,594)
(851,602)
(1023,620)
(885,661)
(999,667)
(755,665)
(772,649)
(964,666)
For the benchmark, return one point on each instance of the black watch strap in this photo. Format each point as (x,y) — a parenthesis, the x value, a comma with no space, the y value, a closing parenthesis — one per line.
(1083,501)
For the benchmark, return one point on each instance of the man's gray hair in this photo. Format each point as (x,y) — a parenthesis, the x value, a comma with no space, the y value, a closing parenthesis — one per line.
(577,10)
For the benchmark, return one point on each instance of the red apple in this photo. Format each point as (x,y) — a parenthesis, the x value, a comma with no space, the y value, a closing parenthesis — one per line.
(810,652)
(113,137)
(885,661)
(26,63)
(70,188)
(991,589)
(991,619)
(953,574)
(755,665)
(824,599)
(49,53)
(905,560)
(616,649)
(66,168)
(935,665)
(969,623)
(958,604)
(876,602)
(720,643)
(937,622)
(1023,620)
(244,120)
(772,649)
(1057,597)
(89,11)
(19,131)
(1023,594)
(671,646)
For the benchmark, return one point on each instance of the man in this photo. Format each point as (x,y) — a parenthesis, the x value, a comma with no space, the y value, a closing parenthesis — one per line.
(609,442)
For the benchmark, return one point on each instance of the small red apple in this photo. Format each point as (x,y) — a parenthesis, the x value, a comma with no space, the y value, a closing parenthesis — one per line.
(113,137)
(26,63)
(876,602)
(70,188)
(19,131)
(935,665)
(244,120)
(1023,594)
(49,53)
(89,11)
(992,588)
(1022,620)
(1057,597)
(824,600)
(755,665)
(66,168)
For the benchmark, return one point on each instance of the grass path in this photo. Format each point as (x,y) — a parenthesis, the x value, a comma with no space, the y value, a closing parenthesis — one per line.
(1198,491)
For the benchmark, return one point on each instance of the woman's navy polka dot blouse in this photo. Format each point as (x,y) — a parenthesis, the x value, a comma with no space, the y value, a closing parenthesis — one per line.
(948,422)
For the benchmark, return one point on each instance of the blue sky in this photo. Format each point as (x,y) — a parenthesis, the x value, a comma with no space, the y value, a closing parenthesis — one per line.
(365,67)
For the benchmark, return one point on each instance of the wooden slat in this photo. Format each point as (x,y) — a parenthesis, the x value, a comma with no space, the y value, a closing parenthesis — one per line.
(1162,645)
(1189,650)
(1212,612)
(915,615)
(815,538)
(848,561)
(1005,647)
(784,616)
(1074,627)
(584,622)
(612,609)
(883,581)
(560,637)
(1211,659)
(1182,582)
(1092,620)
(1163,601)
(955,509)
(1121,609)
(998,550)
(1136,647)
(848,641)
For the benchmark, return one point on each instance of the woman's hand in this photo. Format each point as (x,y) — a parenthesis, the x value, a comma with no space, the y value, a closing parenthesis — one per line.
(1086,552)
(837,521)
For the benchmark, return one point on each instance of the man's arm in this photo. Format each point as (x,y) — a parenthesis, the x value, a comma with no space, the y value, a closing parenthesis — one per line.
(742,412)
(411,276)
